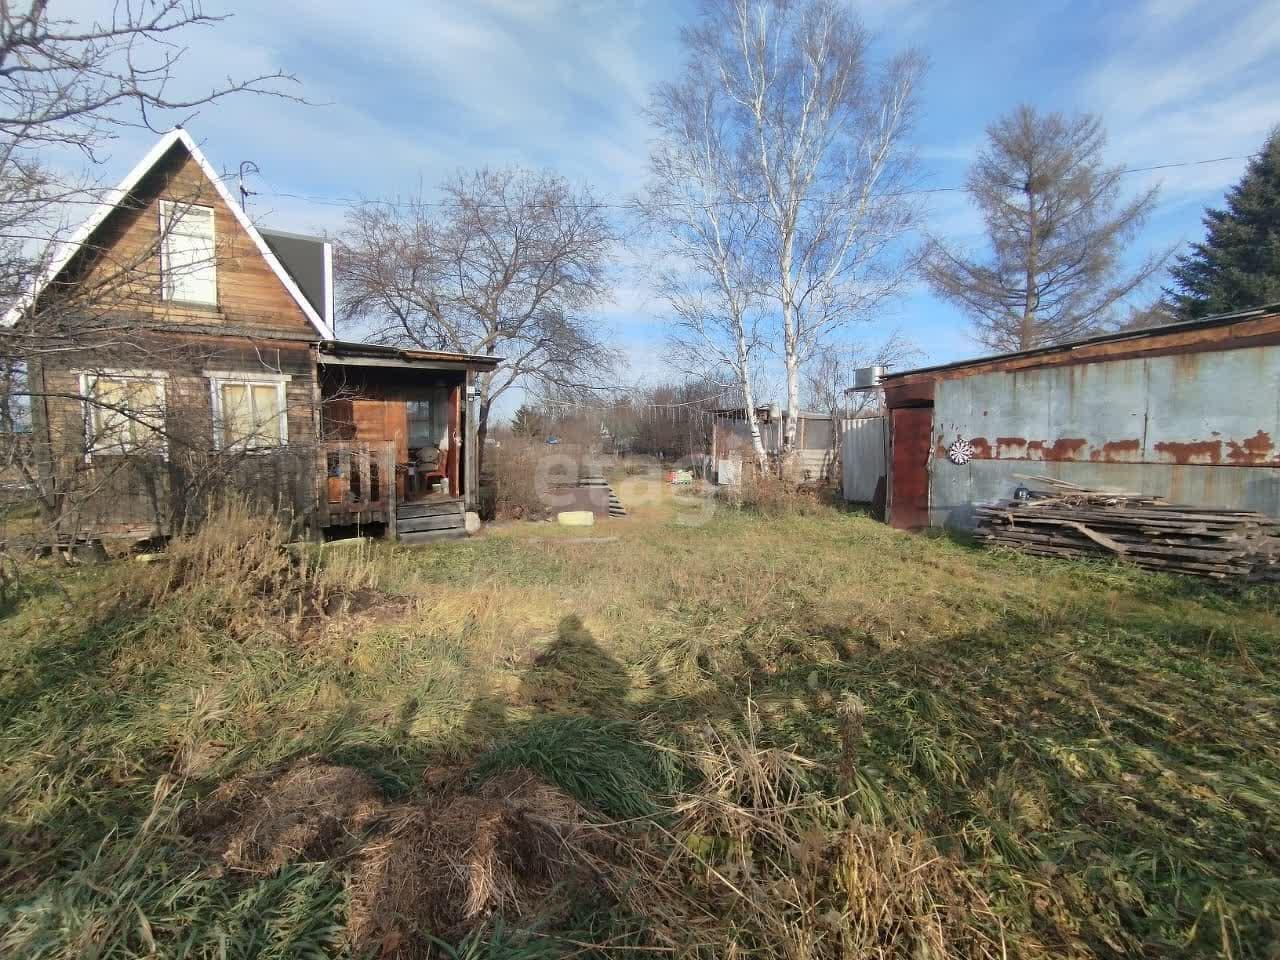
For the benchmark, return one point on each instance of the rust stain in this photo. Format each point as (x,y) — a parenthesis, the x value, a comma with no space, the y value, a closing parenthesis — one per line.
(1010,448)
(1116,451)
(1035,449)
(981,449)
(1254,449)
(1196,451)
(1065,448)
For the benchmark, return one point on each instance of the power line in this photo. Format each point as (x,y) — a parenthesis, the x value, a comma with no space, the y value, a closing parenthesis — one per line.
(341,201)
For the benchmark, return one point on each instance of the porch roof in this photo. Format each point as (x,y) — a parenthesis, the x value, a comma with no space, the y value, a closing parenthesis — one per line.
(351,353)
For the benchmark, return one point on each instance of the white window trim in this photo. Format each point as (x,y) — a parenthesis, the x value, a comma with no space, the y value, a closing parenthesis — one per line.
(89,380)
(166,207)
(219,377)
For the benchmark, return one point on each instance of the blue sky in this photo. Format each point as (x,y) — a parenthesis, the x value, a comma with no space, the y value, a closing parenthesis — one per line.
(405,92)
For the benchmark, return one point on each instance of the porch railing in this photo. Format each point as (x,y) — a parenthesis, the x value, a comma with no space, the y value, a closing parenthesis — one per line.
(359,482)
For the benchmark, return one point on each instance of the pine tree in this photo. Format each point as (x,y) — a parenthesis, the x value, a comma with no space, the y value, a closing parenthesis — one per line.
(529,422)
(1238,264)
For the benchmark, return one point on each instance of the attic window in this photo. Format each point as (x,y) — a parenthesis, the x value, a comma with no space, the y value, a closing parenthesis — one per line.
(189,271)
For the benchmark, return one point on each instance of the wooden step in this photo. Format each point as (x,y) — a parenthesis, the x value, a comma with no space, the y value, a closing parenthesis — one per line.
(429,508)
(428,536)
(416,524)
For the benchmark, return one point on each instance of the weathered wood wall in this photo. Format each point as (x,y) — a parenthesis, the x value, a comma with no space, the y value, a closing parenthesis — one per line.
(120,270)
(139,493)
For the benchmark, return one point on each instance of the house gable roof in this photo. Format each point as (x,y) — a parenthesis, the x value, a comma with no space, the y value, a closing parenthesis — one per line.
(126,186)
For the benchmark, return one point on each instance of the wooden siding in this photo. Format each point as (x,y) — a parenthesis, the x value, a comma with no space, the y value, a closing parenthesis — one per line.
(120,269)
(143,494)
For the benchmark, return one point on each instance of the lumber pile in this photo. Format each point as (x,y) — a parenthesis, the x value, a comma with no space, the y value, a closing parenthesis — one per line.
(1072,521)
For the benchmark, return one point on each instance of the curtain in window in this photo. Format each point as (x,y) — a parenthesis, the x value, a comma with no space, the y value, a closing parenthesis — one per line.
(429,420)
(126,413)
(251,414)
(188,262)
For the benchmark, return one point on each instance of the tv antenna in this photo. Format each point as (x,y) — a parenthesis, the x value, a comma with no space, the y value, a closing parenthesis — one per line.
(245,192)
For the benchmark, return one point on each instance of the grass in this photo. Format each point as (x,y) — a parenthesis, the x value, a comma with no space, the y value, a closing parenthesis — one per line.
(1092,752)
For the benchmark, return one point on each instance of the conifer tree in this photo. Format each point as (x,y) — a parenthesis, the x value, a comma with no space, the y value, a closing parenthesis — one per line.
(1238,264)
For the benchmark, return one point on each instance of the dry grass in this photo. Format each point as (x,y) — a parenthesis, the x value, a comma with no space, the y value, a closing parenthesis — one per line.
(441,870)
(307,812)
(951,752)
(758,863)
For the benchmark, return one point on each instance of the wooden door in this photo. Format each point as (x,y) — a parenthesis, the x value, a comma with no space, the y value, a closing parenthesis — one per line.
(912,438)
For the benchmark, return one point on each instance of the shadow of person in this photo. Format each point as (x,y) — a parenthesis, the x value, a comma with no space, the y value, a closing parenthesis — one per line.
(573,676)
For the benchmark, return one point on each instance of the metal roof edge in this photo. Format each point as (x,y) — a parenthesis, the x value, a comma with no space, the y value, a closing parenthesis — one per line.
(354,347)
(1218,319)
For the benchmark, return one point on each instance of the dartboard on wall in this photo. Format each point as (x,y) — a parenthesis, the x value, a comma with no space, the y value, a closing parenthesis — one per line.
(960,452)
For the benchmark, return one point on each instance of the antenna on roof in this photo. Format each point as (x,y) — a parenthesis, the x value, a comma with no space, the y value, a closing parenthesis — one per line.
(245,192)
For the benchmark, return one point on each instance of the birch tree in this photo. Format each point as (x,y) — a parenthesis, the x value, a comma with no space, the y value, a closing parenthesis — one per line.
(708,240)
(818,135)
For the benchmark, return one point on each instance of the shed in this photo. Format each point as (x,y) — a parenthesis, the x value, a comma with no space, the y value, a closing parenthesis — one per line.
(815,438)
(1188,411)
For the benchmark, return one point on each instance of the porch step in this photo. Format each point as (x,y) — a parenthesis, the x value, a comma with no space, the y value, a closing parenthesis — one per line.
(428,536)
(430,520)
(428,508)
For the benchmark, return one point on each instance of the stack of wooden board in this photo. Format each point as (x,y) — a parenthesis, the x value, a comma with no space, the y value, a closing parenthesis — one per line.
(1075,521)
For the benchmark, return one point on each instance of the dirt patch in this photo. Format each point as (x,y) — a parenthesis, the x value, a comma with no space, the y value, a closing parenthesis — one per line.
(415,870)
(304,813)
(445,868)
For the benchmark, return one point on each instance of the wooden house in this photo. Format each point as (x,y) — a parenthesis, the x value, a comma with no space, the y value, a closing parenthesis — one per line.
(178,350)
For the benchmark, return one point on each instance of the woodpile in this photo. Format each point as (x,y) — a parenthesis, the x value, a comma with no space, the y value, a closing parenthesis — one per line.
(1074,521)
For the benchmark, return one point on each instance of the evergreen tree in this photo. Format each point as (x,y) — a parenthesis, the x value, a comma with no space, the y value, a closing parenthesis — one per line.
(529,422)
(1238,264)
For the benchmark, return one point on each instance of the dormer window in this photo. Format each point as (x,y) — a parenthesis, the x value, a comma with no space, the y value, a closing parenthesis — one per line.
(188,268)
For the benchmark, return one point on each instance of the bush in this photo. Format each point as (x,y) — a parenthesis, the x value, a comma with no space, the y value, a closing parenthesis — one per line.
(513,471)
(766,493)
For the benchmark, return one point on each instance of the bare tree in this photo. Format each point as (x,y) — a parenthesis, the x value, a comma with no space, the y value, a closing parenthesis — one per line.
(1057,230)
(828,376)
(817,136)
(73,86)
(708,272)
(511,263)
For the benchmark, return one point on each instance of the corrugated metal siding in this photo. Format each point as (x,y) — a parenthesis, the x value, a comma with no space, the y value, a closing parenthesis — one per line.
(862,458)
(1197,428)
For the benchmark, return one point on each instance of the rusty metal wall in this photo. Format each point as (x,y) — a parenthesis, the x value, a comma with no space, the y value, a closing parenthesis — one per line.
(1195,427)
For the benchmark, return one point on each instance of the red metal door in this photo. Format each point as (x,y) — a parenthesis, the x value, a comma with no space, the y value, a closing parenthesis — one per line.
(912,438)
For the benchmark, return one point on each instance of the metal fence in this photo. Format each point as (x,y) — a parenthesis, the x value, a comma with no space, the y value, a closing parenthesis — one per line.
(862,459)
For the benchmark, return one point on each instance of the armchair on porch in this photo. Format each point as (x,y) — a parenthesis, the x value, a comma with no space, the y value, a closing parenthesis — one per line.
(425,473)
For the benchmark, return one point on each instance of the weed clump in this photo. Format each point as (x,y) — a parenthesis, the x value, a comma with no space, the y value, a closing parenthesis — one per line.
(239,573)
(757,863)
(447,868)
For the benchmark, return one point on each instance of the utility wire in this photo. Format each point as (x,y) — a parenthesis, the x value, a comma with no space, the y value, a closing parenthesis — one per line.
(620,205)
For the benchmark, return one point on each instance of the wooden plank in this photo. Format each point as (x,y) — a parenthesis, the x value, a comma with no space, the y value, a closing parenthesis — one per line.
(389,485)
(428,536)
(430,508)
(414,524)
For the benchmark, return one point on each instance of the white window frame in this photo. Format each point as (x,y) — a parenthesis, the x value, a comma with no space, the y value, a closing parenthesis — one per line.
(88,381)
(167,208)
(217,378)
